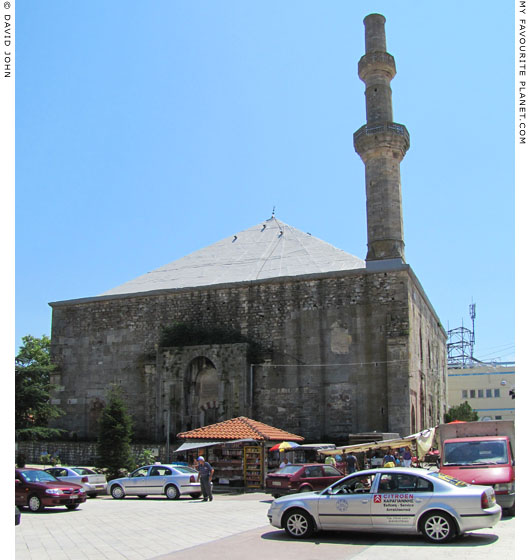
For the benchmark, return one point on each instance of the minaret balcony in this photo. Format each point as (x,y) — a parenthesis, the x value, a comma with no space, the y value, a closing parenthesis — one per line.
(381,135)
(373,63)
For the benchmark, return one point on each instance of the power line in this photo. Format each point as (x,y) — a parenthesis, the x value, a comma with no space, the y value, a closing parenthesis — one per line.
(332,365)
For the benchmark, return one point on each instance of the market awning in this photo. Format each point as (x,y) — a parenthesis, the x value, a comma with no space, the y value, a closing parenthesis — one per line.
(422,441)
(201,444)
(317,446)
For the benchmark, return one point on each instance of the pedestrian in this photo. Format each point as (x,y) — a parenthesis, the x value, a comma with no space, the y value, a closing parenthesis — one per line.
(330,460)
(351,463)
(389,459)
(407,457)
(205,477)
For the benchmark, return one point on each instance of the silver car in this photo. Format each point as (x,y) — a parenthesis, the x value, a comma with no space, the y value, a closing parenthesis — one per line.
(91,481)
(392,500)
(171,480)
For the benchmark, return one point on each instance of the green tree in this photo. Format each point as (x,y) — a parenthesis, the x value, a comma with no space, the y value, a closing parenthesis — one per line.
(33,409)
(114,438)
(462,412)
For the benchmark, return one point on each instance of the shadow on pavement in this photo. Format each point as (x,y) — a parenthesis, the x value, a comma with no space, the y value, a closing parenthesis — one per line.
(370,539)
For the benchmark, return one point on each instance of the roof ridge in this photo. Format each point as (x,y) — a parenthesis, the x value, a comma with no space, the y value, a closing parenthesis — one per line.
(248,421)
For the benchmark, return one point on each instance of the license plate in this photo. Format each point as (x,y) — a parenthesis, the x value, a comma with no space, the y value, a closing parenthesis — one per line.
(276,483)
(99,486)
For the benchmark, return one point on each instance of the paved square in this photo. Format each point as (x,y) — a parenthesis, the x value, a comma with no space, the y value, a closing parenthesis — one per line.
(234,527)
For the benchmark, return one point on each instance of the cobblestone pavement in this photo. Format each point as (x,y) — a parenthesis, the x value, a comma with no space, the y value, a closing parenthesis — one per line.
(232,526)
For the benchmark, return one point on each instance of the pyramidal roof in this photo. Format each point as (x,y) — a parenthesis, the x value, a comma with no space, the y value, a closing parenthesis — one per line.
(240,428)
(271,249)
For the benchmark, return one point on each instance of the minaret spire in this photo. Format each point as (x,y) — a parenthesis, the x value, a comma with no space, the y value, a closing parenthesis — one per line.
(382,145)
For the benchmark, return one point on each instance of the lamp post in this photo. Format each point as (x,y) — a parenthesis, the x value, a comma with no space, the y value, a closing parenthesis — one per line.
(167,435)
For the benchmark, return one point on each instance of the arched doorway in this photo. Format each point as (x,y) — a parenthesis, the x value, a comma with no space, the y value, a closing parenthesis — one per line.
(202,392)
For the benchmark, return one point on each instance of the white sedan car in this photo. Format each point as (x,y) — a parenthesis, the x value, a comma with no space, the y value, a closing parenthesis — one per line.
(391,500)
(171,480)
(91,481)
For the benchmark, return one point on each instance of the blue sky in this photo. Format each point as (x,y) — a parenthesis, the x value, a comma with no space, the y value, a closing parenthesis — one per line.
(146,131)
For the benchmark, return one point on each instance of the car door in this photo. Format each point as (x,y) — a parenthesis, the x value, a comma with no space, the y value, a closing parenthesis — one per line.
(157,479)
(399,498)
(311,477)
(21,493)
(330,475)
(347,504)
(137,481)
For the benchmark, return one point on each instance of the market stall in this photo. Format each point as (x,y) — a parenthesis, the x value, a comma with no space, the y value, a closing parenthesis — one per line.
(238,449)
(420,443)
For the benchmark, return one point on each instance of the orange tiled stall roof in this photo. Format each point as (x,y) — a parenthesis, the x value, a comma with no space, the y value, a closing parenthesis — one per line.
(240,428)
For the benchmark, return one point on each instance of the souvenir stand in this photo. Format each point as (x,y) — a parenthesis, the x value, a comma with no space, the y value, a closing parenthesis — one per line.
(237,449)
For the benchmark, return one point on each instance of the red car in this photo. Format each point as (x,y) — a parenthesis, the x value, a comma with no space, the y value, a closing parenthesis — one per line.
(301,478)
(38,489)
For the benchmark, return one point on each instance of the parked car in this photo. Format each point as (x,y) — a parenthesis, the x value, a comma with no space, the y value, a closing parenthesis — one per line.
(92,482)
(301,478)
(38,489)
(171,480)
(397,500)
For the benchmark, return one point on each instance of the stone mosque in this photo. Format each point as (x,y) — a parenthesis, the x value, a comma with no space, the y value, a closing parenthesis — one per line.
(271,323)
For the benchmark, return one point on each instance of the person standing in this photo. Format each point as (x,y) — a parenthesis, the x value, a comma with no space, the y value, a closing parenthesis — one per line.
(388,459)
(205,477)
(351,463)
(407,457)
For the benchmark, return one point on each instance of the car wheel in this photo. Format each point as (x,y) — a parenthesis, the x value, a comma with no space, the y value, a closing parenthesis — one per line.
(172,492)
(298,524)
(438,527)
(72,506)
(35,503)
(117,492)
(276,496)
(306,489)
(511,510)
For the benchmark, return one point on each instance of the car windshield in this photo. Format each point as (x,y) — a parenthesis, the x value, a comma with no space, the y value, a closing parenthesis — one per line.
(37,476)
(475,453)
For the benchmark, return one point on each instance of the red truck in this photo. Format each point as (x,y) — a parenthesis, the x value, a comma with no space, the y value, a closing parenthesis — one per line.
(481,453)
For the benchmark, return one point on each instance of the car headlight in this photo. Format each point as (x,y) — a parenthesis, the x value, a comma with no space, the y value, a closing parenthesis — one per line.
(504,487)
(54,491)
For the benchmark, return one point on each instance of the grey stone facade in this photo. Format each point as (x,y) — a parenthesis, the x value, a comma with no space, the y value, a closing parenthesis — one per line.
(338,353)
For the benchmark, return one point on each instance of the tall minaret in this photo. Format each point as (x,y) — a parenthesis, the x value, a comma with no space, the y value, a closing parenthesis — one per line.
(382,145)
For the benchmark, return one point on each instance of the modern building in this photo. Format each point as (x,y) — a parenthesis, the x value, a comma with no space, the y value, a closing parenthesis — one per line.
(486,387)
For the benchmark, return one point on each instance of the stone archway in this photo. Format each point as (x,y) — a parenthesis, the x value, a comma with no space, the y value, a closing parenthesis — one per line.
(203,391)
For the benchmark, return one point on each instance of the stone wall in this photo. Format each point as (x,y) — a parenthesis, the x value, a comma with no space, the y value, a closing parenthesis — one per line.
(336,352)
(79,453)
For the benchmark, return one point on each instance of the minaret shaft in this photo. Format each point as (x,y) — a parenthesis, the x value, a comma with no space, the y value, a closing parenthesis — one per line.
(382,144)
